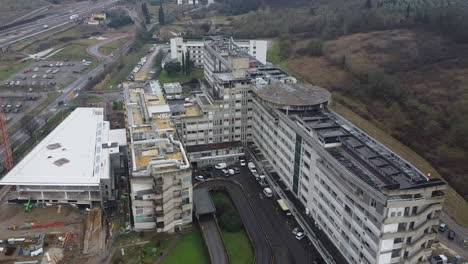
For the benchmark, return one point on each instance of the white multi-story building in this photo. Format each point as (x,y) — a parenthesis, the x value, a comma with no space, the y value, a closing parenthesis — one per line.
(187,2)
(255,48)
(71,167)
(161,187)
(374,206)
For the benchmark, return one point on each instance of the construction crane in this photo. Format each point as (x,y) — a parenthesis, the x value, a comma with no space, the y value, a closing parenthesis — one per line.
(5,142)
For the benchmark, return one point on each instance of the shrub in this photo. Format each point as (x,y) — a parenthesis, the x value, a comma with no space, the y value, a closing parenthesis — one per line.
(230,221)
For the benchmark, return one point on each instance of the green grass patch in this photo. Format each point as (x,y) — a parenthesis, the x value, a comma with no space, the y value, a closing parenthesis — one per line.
(74,52)
(189,249)
(164,77)
(7,68)
(238,247)
(273,56)
(124,68)
(110,47)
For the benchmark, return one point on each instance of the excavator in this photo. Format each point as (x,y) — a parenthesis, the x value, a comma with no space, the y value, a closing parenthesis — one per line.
(28,206)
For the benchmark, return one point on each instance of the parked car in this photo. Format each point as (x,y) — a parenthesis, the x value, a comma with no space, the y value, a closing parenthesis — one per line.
(451,235)
(226,172)
(221,166)
(231,172)
(295,230)
(236,170)
(300,235)
(268,192)
(242,163)
(443,227)
(199,178)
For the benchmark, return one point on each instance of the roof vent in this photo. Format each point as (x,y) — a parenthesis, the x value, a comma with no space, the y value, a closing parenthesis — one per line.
(54,146)
(61,162)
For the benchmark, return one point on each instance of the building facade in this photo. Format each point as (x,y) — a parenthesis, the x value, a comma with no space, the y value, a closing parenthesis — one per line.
(64,168)
(256,48)
(372,204)
(161,187)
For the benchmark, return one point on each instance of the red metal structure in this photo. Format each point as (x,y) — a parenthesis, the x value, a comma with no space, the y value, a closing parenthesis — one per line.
(5,142)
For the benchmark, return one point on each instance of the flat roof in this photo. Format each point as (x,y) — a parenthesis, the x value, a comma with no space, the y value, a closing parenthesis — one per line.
(290,94)
(202,202)
(72,154)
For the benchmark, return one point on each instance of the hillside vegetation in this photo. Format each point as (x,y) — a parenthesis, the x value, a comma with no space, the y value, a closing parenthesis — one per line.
(400,64)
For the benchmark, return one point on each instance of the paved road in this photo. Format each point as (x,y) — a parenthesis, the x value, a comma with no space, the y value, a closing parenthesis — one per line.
(263,252)
(148,66)
(461,233)
(213,240)
(57,17)
(94,49)
(20,136)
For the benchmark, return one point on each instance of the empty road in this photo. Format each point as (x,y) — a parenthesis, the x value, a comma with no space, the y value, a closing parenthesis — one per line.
(213,240)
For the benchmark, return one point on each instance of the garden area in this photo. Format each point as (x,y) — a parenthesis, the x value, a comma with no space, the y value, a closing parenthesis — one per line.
(190,248)
(181,73)
(235,238)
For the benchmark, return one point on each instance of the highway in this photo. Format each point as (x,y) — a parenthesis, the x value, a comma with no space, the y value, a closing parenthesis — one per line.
(57,17)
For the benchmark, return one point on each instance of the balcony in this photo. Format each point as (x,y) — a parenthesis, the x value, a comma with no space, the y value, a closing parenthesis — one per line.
(418,254)
(414,217)
(402,233)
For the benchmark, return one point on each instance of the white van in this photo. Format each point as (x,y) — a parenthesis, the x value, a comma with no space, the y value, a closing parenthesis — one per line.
(221,166)
(268,193)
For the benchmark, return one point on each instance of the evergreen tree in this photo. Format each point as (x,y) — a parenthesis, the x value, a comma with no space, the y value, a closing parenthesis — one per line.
(183,62)
(188,63)
(161,15)
(408,10)
(145,11)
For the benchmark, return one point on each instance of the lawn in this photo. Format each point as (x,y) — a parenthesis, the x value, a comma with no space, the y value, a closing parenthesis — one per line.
(164,77)
(189,249)
(273,56)
(127,62)
(238,247)
(110,47)
(8,68)
(74,52)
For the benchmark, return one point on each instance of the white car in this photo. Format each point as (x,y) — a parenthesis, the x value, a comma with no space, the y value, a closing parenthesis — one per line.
(34,76)
(221,166)
(226,172)
(199,178)
(231,172)
(242,163)
(300,235)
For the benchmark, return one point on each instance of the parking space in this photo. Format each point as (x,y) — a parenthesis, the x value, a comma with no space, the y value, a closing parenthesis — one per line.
(289,245)
(46,75)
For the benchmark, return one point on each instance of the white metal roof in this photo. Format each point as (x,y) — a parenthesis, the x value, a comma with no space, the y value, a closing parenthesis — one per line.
(157,109)
(77,144)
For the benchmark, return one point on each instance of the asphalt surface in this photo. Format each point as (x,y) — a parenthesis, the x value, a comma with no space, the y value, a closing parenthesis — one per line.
(266,224)
(57,17)
(94,49)
(20,136)
(460,233)
(263,253)
(213,240)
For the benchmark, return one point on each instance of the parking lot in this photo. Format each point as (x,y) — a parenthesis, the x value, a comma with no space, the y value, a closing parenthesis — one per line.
(45,75)
(277,224)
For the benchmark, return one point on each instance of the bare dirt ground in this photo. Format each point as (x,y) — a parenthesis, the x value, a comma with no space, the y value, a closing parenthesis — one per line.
(14,215)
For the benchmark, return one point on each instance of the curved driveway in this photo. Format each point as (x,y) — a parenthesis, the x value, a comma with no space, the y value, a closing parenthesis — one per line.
(94,48)
(213,240)
(263,252)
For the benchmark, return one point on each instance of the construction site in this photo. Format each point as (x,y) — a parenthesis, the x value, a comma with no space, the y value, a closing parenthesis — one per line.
(49,234)
(56,214)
